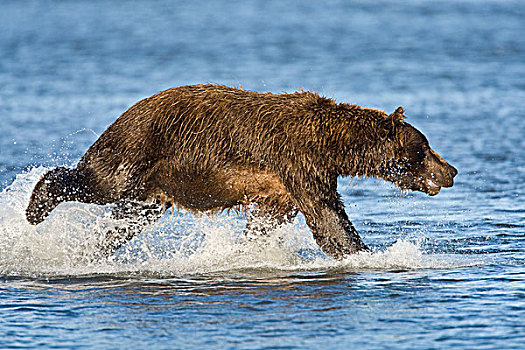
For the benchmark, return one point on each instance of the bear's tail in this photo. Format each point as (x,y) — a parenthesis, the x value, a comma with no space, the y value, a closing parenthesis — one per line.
(54,187)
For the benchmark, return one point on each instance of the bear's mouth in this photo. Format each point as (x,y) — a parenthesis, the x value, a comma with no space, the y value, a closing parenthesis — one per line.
(431,187)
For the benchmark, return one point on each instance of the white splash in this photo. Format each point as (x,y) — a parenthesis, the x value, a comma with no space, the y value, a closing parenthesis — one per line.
(179,244)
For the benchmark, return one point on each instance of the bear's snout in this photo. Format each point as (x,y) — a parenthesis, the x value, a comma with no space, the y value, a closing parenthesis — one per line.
(442,173)
(451,174)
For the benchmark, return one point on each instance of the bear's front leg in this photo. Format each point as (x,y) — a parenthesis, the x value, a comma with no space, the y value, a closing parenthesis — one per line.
(332,230)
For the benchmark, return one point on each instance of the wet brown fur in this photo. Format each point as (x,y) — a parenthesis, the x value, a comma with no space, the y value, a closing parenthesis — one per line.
(212,147)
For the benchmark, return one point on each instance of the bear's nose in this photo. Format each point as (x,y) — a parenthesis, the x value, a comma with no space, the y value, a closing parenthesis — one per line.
(448,176)
(453,171)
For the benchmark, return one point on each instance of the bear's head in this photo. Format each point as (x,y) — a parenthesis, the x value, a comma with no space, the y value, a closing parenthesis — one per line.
(413,165)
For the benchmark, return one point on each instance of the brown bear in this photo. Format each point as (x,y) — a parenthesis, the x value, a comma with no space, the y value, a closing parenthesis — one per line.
(212,147)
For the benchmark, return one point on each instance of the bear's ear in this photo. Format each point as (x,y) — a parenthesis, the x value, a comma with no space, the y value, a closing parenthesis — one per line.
(398,115)
(388,128)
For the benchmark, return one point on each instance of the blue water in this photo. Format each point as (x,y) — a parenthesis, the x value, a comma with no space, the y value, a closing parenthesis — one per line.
(445,272)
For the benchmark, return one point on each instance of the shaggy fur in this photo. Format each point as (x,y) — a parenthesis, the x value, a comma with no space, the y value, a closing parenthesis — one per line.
(212,147)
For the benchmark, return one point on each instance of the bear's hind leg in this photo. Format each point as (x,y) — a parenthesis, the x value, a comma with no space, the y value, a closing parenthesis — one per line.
(263,219)
(134,217)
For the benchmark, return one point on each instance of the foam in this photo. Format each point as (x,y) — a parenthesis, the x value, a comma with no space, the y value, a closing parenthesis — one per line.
(179,244)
